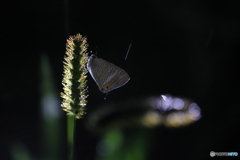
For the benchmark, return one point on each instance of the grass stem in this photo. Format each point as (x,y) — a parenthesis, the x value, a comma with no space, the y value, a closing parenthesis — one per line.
(71,130)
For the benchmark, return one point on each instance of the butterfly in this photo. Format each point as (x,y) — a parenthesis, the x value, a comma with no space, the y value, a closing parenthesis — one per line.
(106,75)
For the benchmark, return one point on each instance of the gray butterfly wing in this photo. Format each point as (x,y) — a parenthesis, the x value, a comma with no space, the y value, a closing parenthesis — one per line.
(107,75)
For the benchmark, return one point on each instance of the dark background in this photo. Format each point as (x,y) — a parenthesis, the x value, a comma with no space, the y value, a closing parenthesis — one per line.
(184,48)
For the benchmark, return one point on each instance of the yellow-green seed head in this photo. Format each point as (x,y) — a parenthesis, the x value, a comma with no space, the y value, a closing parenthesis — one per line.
(74,76)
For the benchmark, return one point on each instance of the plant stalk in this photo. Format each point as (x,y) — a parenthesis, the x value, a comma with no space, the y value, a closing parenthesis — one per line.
(71,130)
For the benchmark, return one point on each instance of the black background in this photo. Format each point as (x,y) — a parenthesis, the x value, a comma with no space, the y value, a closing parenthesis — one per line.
(184,48)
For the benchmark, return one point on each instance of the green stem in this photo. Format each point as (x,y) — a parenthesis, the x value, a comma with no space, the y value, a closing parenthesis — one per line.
(71,131)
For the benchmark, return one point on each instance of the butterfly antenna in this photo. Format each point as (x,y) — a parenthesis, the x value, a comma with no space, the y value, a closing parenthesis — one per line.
(96,50)
(209,38)
(129,47)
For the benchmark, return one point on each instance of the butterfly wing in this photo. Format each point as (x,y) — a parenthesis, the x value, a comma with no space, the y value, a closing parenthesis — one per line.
(107,75)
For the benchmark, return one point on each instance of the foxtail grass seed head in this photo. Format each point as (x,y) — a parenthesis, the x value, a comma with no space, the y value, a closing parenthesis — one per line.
(74,77)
